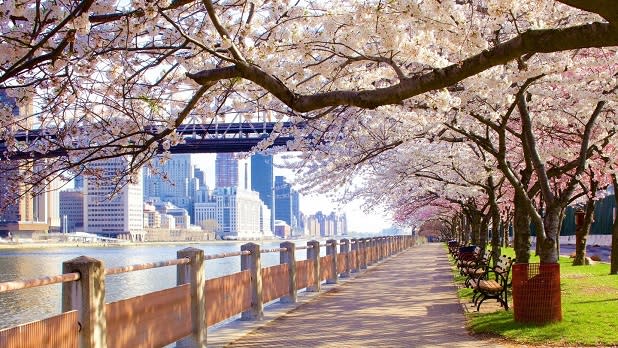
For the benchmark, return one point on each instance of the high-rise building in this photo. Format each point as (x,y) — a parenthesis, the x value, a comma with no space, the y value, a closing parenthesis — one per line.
(29,209)
(321,225)
(299,224)
(72,210)
(78,181)
(239,213)
(172,181)
(283,201)
(26,213)
(287,205)
(226,170)
(262,181)
(200,176)
(122,215)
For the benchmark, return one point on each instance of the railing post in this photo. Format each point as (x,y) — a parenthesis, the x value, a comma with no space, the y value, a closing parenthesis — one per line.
(370,242)
(384,247)
(363,249)
(356,254)
(87,296)
(193,273)
(289,257)
(313,253)
(331,249)
(367,251)
(374,249)
(344,248)
(252,262)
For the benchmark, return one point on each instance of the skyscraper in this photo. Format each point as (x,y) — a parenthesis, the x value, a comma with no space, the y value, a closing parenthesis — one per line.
(286,204)
(200,176)
(226,170)
(72,210)
(174,182)
(262,181)
(240,213)
(120,216)
(26,213)
(78,181)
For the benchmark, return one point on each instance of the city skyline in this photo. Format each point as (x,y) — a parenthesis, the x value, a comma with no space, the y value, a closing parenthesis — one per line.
(358,220)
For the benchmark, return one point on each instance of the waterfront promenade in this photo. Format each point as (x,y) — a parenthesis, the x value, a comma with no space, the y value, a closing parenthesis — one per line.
(408,300)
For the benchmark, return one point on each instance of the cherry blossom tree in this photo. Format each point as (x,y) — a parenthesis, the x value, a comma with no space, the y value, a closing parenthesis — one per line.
(111,78)
(106,79)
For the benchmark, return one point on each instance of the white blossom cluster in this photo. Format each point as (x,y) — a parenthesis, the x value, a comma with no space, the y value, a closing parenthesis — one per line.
(401,102)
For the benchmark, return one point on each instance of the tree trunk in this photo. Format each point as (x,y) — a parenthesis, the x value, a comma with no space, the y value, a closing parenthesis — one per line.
(548,252)
(561,219)
(483,233)
(614,255)
(506,224)
(581,235)
(521,231)
(475,223)
(494,215)
(465,228)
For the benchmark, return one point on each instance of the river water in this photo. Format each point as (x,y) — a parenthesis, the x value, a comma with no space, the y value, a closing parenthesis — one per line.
(22,306)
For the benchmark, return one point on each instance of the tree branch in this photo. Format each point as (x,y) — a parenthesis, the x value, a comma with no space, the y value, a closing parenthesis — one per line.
(532,41)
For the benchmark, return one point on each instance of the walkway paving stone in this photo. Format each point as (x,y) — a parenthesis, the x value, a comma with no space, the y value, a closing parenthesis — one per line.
(408,300)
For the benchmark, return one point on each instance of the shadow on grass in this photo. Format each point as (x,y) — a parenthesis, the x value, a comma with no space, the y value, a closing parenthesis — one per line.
(596,301)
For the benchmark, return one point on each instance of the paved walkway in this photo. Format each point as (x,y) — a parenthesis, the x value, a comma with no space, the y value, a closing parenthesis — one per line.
(408,300)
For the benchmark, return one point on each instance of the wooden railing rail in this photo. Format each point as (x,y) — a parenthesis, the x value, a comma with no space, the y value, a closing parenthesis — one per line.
(31,283)
(224,255)
(144,266)
(274,250)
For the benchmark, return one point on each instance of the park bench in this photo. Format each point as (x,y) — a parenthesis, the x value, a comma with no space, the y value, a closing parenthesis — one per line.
(493,284)
(478,268)
(467,257)
(453,247)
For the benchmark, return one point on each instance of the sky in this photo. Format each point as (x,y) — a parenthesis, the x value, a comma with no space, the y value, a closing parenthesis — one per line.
(358,221)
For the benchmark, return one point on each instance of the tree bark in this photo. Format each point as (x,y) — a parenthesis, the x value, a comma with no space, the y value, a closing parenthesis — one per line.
(521,227)
(504,228)
(581,235)
(494,212)
(483,233)
(548,252)
(475,224)
(614,254)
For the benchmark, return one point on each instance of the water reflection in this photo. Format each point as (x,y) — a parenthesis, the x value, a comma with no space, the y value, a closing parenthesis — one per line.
(21,306)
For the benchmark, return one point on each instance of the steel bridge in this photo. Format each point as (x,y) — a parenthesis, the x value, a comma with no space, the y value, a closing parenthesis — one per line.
(198,138)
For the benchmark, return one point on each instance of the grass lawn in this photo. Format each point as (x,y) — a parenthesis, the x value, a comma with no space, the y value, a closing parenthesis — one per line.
(589,310)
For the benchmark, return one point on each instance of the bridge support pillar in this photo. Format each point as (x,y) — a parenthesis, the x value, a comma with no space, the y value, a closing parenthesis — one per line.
(252,262)
(313,253)
(289,257)
(331,249)
(344,248)
(87,296)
